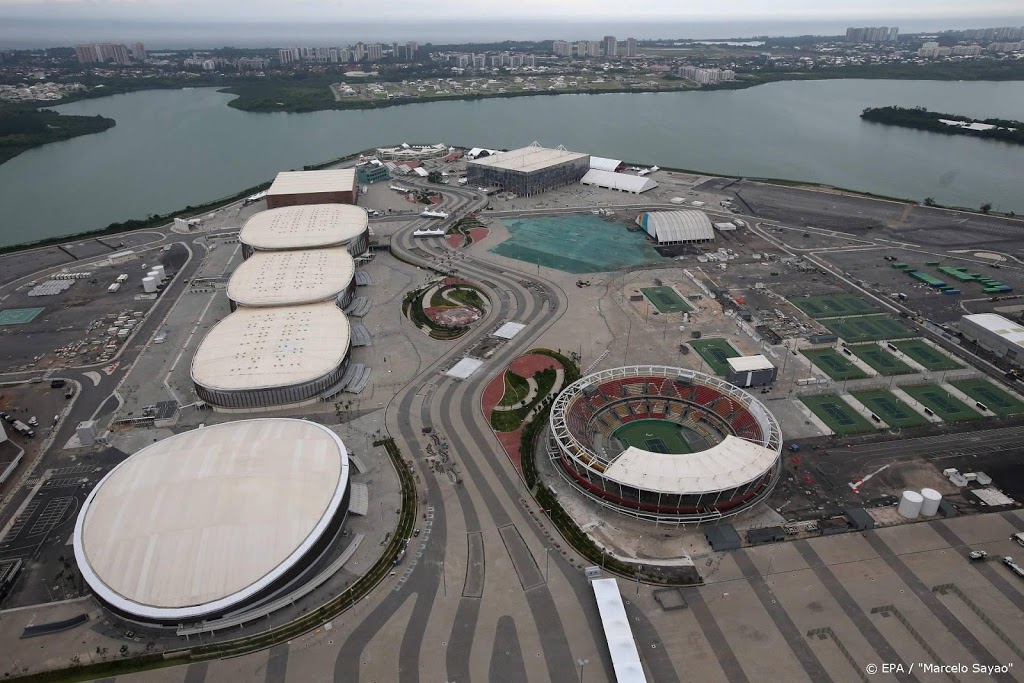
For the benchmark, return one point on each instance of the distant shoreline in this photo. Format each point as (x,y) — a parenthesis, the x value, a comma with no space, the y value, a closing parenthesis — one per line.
(919,118)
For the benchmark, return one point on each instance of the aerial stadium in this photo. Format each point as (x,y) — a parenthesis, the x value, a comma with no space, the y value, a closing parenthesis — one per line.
(665,444)
(529,170)
(213,520)
(264,358)
(312,226)
(287,278)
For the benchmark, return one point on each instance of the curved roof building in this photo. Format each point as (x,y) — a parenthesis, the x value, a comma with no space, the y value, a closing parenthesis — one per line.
(270,357)
(736,443)
(213,519)
(311,226)
(677,227)
(287,278)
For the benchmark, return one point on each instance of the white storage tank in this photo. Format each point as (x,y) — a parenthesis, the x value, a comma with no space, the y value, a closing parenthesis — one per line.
(155,275)
(910,504)
(160,270)
(930,505)
(148,285)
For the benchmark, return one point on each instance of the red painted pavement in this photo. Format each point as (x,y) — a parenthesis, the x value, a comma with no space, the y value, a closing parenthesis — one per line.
(478,234)
(455,241)
(531,363)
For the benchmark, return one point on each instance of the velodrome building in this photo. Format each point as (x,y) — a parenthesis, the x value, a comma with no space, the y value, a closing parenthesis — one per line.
(263,358)
(312,226)
(604,437)
(288,278)
(214,521)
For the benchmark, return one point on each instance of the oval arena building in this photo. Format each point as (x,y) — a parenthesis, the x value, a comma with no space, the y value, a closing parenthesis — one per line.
(312,226)
(213,520)
(264,358)
(289,278)
(665,444)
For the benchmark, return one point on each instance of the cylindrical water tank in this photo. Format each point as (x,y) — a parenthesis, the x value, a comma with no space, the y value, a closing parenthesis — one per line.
(160,270)
(910,504)
(155,275)
(148,285)
(932,498)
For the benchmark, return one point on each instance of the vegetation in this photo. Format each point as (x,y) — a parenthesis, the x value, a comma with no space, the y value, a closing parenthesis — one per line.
(468,296)
(516,389)
(23,128)
(464,226)
(412,307)
(511,420)
(920,118)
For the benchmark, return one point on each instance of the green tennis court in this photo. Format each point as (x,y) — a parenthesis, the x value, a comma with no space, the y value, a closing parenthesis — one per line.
(940,402)
(840,417)
(833,364)
(19,316)
(887,406)
(994,398)
(925,354)
(833,305)
(666,300)
(867,328)
(715,353)
(881,360)
(657,436)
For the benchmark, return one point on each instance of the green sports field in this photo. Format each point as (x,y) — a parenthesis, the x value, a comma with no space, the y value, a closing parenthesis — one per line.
(833,364)
(833,305)
(949,408)
(867,328)
(881,360)
(994,398)
(19,316)
(925,354)
(657,436)
(666,300)
(837,414)
(887,406)
(715,353)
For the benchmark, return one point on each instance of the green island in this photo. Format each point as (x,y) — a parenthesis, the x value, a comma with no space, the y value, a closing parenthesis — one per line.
(22,128)
(919,118)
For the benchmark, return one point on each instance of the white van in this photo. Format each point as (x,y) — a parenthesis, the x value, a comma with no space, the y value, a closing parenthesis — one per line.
(1019,537)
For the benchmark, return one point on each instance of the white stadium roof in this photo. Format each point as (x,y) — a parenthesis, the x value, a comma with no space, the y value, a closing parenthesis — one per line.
(602,164)
(1009,330)
(284,278)
(749,363)
(305,182)
(678,226)
(259,348)
(304,227)
(203,520)
(729,464)
(618,181)
(530,158)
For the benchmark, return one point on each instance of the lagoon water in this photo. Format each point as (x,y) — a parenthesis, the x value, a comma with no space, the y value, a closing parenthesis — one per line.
(172,148)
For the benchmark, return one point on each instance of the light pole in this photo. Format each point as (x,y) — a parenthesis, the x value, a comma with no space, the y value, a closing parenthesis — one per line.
(546,556)
(444,578)
(582,663)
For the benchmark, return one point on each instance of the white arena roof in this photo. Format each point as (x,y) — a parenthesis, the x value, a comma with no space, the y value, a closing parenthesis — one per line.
(731,463)
(304,227)
(258,348)
(677,226)
(203,520)
(305,182)
(602,164)
(618,181)
(530,158)
(749,363)
(1009,330)
(284,278)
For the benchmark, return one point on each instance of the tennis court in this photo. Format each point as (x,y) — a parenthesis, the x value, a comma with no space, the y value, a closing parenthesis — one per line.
(715,353)
(657,436)
(940,402)
(881,360)
(19,316)
(891,409)
(925,354)
(666,300)
(840,417)
(834,365)
(833,305)
(994,398)
(867,328)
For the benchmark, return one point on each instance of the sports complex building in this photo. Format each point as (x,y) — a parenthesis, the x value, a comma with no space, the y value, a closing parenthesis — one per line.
(677,227)
(288,278)
(261,358)
(307,227)
(529,170)
(294,188)
(665,444)
(229,518)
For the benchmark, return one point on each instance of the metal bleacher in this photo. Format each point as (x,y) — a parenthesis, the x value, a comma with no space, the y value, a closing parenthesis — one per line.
(358,307)
(361,336)
(359,500)
(363,279)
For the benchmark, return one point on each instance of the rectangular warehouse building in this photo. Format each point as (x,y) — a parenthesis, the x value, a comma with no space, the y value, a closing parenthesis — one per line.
(530,170)
(292,188)
(750,371)
(999,335)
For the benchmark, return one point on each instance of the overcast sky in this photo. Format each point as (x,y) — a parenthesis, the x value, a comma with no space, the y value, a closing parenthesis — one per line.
(371,10)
